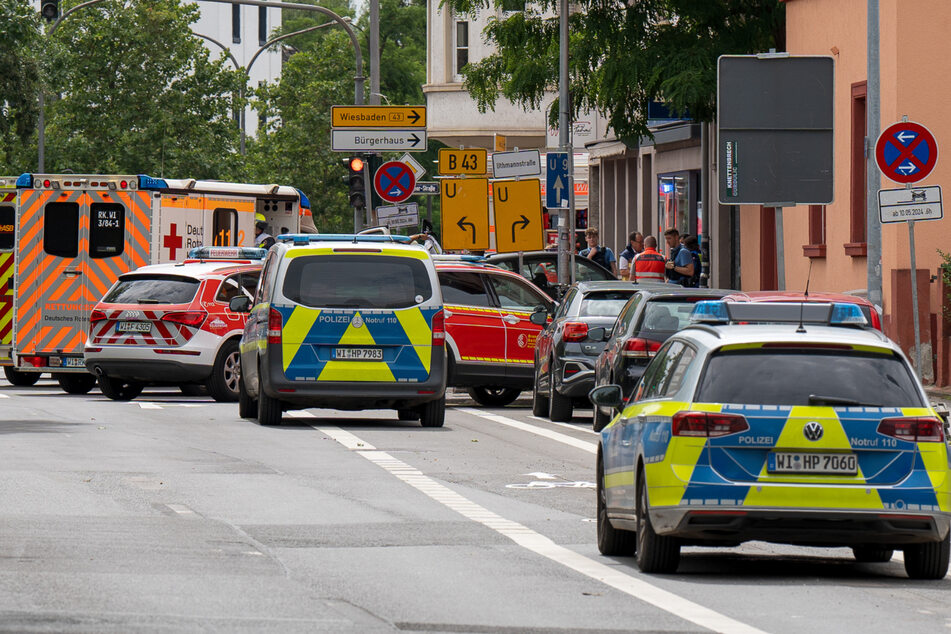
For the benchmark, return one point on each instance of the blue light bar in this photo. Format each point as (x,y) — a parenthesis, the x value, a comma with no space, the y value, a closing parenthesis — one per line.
(307,238)
(304,200)
(451,257)
(847,315)
(25,180)
(227,253)
(147,182)
(710,312)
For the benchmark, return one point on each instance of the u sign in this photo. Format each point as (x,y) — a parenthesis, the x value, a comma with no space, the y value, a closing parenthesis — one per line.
(394,181)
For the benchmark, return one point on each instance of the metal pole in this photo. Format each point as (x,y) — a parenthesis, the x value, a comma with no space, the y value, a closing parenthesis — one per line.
(780,252)
(873,228)
(914,297)
(41,159)
(374,52)
(564,144)
(705,228)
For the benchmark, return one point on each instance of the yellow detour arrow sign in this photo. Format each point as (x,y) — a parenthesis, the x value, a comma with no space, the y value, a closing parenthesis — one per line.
(465,213)
(518,215)
(378,116)
(459,162)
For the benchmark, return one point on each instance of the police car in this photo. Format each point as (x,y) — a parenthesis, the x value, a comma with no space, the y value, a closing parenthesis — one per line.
(344,321)
(794,433)
(170,324)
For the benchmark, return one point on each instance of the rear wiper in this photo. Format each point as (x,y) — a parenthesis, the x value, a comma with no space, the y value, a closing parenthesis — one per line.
(818,399)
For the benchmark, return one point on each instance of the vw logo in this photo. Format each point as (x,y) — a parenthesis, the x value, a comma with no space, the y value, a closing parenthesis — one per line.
(812,431)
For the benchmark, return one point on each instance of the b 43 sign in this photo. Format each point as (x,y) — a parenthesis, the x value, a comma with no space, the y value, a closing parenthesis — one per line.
(459,162)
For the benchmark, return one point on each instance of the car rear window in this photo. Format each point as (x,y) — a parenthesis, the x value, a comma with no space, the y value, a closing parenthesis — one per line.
(604,303)
(789,377)
(152,289)
(664,317)
(357,281)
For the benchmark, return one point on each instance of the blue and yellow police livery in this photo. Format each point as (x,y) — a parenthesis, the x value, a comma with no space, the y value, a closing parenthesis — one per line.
(792,433)
(348,322)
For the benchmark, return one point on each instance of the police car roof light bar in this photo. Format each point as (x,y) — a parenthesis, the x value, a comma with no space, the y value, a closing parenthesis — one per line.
(307,238)
(847,315)
(710,312)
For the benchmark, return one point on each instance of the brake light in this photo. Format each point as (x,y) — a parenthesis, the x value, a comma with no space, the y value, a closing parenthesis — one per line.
(274,325)
(913,429)
(97,315)
(707,424)
(35,361)
(439,329)
(640,348)
(193,318)
(575,331)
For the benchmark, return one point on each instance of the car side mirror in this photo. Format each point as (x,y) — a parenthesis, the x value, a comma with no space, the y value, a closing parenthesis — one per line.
(607,396)
(240,304)
(539,317)
(598,334)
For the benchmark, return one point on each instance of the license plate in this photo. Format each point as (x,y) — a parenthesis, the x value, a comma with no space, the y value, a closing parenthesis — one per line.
(75,362)
(829,463)
(134,326)
(358,354)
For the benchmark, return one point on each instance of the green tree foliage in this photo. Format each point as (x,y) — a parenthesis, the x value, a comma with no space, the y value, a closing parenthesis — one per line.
(19,69)
(622,54)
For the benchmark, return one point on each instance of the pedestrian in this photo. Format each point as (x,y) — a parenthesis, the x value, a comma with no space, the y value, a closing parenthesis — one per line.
(649,264)
(635,244)
(262,239)
(597,253)
(679,260)
(693,247)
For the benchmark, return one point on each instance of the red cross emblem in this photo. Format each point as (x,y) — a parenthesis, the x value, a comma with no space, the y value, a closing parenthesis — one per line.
(172,242)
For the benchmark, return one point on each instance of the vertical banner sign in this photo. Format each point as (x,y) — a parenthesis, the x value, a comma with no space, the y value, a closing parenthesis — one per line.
(465,213)
(518,215)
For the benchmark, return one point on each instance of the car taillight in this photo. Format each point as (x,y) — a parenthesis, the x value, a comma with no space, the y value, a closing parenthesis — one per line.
(96,315)
(192,318)
(575,331)
(640,348)
(707,424)
(913,429)
(439,329)
(274,324)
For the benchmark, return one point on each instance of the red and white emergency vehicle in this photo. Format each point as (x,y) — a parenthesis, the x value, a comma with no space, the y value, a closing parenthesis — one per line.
(8,195)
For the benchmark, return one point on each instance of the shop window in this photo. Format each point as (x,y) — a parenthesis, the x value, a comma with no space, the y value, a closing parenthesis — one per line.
(856,246)
(677,202)
(61,229)
(817,233)
(106,230)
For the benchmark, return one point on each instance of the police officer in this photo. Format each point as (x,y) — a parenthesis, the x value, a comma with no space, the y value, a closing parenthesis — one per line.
(262,239)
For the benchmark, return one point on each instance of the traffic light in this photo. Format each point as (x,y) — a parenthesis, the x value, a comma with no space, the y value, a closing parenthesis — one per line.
(357,181)
(49,9)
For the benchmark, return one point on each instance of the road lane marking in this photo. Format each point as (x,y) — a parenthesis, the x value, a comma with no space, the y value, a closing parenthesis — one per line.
(181,509)
(538,543)
(590,447)
(300,413)
(4,396)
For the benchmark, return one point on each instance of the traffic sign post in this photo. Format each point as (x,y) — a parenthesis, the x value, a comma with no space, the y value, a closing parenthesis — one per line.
(377,140)
(906,152)
(394,181)
(556,180)
(518,216)
(398,215)
(378,116)
(465,213)
(463,162)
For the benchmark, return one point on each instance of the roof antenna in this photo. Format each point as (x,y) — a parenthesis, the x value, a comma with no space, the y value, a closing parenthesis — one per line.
(801,330)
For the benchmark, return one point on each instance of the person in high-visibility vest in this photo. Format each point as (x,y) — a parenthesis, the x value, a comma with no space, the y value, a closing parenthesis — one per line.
(649,265)
(262,238)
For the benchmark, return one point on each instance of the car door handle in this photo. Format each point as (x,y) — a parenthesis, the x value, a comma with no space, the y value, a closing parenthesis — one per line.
(511,319)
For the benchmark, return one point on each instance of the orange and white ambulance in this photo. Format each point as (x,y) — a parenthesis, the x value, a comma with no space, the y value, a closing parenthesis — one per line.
(76,233)
(8,196)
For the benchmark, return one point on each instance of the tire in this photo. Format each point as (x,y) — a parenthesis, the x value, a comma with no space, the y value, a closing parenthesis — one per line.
(539,403)
(270,410)
(433,413)
(655,553)
(193,389)
(223,383)
(20,379)
(119,390)
(872,554)
(408,414)
(247,406)
(493,395)
(76,383)
(560,408)
(928,561)
(611,541)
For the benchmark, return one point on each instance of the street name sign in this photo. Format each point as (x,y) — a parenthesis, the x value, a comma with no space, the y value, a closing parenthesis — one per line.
(426,187)
(378,116)
(398,215)
(512,164)
(463,162)
(556,180)
(465,213)
(518,215)
(906,152)
(377,140)
(917,203)
(394,181)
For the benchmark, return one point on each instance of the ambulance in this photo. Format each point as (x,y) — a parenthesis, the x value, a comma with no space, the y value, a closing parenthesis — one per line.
(8,197)
(76,233)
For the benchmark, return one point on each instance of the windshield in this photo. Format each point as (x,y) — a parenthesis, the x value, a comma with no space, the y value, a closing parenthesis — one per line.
(664,317)
(604,304)
(808,377)
(152,289)
(357,281)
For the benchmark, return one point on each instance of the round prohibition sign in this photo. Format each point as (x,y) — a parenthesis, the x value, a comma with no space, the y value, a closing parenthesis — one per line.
(394,181)
(906,152)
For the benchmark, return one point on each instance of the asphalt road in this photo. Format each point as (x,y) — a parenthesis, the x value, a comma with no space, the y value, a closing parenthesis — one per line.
(170,513)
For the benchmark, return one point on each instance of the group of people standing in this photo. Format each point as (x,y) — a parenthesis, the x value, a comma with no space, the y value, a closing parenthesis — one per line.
(641,261)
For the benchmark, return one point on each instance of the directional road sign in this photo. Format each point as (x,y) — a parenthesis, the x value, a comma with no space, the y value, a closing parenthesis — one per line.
(394,181)
(556,180)
(518,215)
(378,116)
(918,203)
(459,162)
(465,213)
(398,215)
(906,152)
(426,187)
(521,163)
(377,140)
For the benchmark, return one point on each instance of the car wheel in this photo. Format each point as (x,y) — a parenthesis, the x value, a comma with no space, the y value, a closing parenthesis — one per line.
(539,402)
(223,383)
(247,406)
(193,389)
(20,379)
(433,413)
(560,408)
(611,541)
(270,410)
(76,383)
(407,414)
(493,395)
(872,554)
(119,390)
(928,561)
(655,553)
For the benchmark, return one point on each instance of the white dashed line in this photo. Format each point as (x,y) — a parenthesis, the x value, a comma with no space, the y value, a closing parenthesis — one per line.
(533,429)
(4,396)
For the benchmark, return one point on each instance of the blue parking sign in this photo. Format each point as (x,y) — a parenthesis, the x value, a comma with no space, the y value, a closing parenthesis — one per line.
(556,180)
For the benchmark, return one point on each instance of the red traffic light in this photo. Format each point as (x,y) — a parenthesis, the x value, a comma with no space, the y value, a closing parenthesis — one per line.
(356,164)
